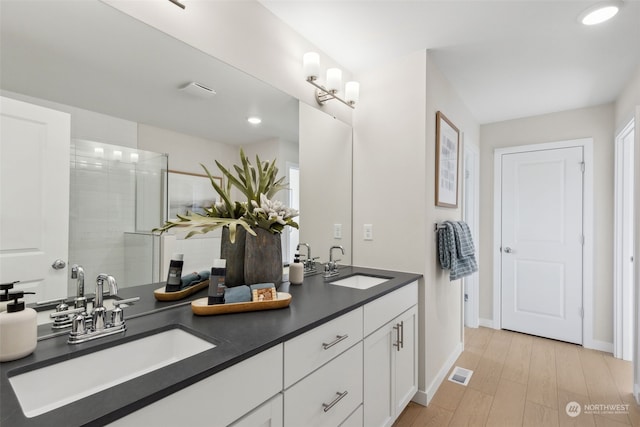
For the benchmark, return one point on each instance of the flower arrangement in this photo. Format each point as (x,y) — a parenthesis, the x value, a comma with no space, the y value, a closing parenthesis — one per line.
(258,184)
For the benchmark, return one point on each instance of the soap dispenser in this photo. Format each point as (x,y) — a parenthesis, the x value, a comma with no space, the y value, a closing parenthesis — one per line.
(18,329)
(4,296)
(296,271)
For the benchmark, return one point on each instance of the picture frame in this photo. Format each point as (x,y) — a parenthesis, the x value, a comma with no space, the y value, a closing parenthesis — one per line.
(447,160)
(190,192)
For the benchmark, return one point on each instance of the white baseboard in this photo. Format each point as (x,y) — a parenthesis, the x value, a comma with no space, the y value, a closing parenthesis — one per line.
(607,347)
(486,323)
(424,397)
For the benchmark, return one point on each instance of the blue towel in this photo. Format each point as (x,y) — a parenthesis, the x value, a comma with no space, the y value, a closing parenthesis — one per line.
(456,250)
(194,278)
(237,294)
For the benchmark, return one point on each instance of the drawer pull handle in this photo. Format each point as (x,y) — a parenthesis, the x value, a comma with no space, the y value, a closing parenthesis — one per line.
(328,406)
(398,342)
(339,338)
(402,334)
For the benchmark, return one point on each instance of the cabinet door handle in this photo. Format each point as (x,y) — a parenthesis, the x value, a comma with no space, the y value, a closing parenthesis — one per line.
(339,338)
(402,334)
(328,406)
(398,342)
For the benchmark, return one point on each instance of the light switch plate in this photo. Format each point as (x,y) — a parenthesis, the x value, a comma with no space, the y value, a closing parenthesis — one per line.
(368,232)
(337,231)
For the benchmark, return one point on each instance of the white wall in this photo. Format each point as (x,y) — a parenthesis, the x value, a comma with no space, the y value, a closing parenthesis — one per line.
(394,189)
(596,122)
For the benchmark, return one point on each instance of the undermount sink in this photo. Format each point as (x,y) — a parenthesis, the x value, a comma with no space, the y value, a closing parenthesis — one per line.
(360,281)
(45,389)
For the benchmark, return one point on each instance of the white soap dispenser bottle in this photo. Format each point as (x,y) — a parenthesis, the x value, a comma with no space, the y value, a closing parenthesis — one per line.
(18,329)
(296,271)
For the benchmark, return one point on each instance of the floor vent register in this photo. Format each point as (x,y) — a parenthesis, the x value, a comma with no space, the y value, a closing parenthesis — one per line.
(460,375)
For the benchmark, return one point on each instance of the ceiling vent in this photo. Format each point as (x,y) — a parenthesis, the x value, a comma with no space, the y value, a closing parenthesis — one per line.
(199,90)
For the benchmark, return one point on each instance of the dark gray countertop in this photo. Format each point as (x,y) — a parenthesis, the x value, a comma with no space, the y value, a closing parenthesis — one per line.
(237,337)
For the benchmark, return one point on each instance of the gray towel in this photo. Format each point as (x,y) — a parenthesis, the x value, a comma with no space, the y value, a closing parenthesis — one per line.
(237,294)
(456,250)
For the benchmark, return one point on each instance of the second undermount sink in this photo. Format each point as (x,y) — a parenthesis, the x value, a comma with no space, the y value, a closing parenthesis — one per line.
(360,281)
(45,389)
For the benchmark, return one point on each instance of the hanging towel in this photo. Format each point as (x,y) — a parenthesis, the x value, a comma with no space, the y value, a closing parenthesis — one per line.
(456,250)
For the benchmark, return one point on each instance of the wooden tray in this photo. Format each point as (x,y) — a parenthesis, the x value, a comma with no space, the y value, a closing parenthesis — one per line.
(161,295)
(201,307)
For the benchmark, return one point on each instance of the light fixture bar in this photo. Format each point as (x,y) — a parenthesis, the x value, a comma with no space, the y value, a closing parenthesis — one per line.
(323,95)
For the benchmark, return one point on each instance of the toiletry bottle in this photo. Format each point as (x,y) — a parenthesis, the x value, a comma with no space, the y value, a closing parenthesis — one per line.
(216,281)
(18,329)
(4,296)
(296,271)
(174,278)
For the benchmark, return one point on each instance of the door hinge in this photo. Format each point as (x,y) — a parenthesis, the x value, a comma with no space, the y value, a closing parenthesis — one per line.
(582,166)
(581,312)
(582,240)
(466,297)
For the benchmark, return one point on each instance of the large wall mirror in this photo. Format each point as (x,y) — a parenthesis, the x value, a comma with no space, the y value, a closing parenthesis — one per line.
(123,83)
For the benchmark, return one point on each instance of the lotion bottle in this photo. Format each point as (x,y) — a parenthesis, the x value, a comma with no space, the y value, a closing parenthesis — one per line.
(174,278)
(296,271)
(18,329)
(216,282)
(4,296)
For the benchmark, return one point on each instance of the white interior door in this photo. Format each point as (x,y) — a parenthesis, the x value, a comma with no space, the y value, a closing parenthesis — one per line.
(34,198)
(624,245)
(542,239)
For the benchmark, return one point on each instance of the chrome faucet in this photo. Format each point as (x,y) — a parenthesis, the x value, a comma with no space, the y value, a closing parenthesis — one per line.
(309,263)
(77,272)
(331,268)
(99,315)
(62,318)
(85,329)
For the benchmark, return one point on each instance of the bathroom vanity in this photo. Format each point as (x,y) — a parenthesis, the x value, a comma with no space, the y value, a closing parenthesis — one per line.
(338,355)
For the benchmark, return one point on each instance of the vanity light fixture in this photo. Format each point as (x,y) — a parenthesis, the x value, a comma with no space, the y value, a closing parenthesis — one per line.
(117,155)
(254,120)
(311,66)
(600,12)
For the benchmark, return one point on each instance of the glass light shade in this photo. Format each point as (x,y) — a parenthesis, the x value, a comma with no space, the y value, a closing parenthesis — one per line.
(352,91)
(134,157)
(334,79)
(311,64)
(117,155)
(599,13)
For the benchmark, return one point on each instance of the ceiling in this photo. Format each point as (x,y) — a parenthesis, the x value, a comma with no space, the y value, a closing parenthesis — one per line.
(89,55)
(506,59)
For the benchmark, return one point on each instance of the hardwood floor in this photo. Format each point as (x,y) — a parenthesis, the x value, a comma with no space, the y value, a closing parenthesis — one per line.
(521,380)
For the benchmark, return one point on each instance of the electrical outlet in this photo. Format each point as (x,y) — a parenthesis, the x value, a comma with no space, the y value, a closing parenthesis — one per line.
(337,231)
(368,232)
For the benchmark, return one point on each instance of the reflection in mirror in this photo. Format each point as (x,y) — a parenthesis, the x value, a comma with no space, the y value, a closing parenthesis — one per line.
(121,82)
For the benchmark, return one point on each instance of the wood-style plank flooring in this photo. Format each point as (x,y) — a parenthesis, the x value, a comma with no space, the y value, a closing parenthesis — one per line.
(522,380)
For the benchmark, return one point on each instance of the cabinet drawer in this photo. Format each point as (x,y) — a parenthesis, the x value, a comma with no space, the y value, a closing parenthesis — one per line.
(355,419)
(305,404)
(309,351)
(269,414)
(382,310)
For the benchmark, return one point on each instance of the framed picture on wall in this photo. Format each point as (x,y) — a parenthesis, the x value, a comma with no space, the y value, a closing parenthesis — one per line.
(190,192)
(447,154)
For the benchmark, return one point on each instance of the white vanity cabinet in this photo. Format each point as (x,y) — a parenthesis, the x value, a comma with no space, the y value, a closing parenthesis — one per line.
(323,373)
(268,414)
(390,355)
(219,399)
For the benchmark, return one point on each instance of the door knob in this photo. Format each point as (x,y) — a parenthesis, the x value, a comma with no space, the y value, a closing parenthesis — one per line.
(58,264)
(508,250)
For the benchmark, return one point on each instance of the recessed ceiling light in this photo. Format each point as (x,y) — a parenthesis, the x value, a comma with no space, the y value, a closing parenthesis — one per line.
(254,120)
(600,13)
